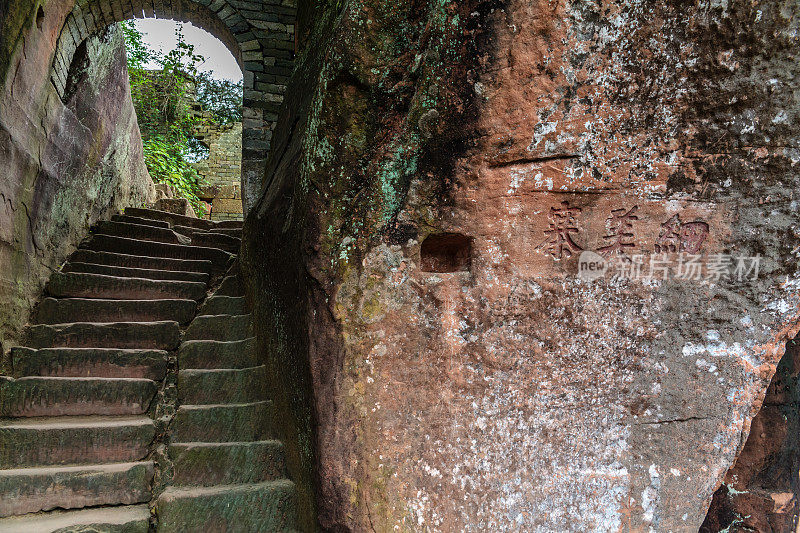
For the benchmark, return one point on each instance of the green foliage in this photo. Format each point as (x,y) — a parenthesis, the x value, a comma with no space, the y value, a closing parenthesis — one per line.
(166,100)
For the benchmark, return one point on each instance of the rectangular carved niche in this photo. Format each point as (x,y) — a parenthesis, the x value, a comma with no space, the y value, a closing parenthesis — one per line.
(446,252)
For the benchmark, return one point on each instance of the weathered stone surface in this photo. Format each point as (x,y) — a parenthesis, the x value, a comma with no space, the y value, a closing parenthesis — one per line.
(107,270)
(215,386)
(225,463)
(125,519)
(220,328)
(82,285)
(223,423)
(477,382)
(28,490)
(59,311)
(218,354)
(65,164)
(250,507)
(74,440)
(89,362)
(143,262)
(224,305)
(164,335)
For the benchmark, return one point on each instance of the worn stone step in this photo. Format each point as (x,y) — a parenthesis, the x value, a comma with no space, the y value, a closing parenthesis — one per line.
(55,396)
(207,463)
(141,221)
(245,508)
(234,224)
(139,231)
(107,243)
(29,490)
(141,261)
(89,362)
(217,386)
(217,240)
(231,232)
(230,286)
(164,335)
(26,442)
(171,218)
(218,354)
(125,272)
(75,285)
(224,305)
(65,310)
(123,519)
(223,423)
(220,328)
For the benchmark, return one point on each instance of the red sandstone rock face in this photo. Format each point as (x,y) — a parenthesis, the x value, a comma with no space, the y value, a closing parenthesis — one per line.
(63,164)
(513,394)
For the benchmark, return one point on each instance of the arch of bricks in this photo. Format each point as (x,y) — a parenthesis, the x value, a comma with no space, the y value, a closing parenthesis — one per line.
(259,33)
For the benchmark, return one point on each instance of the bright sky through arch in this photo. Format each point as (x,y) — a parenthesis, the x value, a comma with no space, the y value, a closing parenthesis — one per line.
(159,35)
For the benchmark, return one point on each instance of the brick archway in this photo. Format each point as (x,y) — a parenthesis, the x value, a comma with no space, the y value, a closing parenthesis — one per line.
(260,36)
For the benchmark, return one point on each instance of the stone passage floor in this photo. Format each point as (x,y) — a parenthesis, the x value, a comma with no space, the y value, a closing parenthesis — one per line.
(129,409)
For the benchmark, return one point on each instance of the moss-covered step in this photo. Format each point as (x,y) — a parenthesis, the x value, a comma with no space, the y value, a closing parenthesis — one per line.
(80,285)
(139,231)
(171,218)
(29,490)
(217,386)
(89,362)
(139,261)
(217,240)
(225,463)
(141,221)
(257,507)
(122,245)
(223,423)
(220,328)
(224,305)
(126,272)
(27,442)
(230,286)
(123,519)
(52,396)
(218,354)
(163,335)
(65,310)
(231,232)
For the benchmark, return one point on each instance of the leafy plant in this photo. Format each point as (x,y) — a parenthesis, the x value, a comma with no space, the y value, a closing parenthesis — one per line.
(171,102)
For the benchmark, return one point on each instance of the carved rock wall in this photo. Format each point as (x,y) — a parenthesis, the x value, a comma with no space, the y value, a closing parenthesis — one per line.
(63,164)
(445,358)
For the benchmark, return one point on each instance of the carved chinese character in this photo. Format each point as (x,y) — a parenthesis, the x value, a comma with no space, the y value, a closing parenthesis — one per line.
(620,234)
(559,243)
(677,236)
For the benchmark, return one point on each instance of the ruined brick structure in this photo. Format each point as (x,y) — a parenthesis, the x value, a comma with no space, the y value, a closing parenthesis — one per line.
(222,170)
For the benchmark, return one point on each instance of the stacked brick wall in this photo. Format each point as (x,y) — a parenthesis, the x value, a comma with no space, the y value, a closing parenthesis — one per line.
(222,170)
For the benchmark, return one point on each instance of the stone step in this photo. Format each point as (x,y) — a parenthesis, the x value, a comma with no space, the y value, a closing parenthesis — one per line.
(141,221)
(143,262)
(223,423)
(74,285)
(125,272)
(217,240)
(107,243)
(29,490)
(245,508)
(26,442)
(55,396)
(231,224)
(220,328)
(165,335)
(231,232)
(89,362)
(171,218)
(65,310)
(205,463)
(230,286)
(124,519)
(218,354)
(224,305)
(139,231)
(204,386)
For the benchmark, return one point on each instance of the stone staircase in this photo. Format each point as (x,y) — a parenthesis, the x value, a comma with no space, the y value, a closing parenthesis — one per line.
(111,423)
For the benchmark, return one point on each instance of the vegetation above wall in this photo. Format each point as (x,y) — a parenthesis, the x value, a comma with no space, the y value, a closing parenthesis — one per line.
(172,101)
